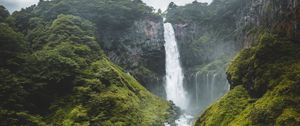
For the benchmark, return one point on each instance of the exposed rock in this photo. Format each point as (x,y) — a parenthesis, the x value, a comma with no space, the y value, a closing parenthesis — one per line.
(140,51)
(263,76)
(278,16)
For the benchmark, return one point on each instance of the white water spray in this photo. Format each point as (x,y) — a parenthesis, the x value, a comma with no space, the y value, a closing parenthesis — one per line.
(174,78)
(212,87)
(197,88)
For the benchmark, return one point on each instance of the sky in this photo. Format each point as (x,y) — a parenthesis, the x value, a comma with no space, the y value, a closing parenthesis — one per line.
(13,5)
(163,4)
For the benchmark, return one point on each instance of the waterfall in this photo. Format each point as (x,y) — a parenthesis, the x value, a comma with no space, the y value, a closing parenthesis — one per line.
(228,87)
(212,87)
(197,88)
(207,89)
(207,81)
(174,75)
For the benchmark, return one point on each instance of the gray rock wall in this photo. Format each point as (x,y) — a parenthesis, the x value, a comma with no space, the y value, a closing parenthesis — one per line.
(140,51)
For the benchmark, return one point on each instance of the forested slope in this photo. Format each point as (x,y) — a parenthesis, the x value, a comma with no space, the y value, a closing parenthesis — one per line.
(264,76)
(54,71)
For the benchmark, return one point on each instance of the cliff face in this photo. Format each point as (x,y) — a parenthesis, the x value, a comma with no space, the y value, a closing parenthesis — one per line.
(264,75)
(140,51)
(131,37)
(277,16)
(210,35)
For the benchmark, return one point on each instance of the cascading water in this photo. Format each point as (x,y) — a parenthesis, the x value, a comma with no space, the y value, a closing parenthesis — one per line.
(174,75)
(197,88)
(208,84)
(208,87)
(212,87)
(174,78)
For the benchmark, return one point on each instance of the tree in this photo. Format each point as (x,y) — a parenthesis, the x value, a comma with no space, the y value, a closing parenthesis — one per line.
(11,43)
(3,13)
(172,5)
(159,11)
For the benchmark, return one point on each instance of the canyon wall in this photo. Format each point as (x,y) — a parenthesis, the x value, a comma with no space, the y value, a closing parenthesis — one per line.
(264,75)
(140,51)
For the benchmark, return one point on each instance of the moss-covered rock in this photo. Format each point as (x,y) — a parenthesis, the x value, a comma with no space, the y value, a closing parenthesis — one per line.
(225,110)
(269,74)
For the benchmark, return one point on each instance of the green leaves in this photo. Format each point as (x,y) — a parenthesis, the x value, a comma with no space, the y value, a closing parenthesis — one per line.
(11,43)
(12,90)
(52,65)
(3,13)
(61,74)
(8,117)
(196,12)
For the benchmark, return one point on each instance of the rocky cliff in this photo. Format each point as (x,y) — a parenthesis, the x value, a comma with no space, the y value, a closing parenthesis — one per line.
(140,51)
(277,16)
(131,38)
(53,70)
(267,32)
(264,75)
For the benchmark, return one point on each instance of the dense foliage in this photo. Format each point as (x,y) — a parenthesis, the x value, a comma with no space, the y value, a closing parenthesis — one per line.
(185,14)
(113,21)
(3,13)
(265,86)
(54,72)
(264,76)
(205,32)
